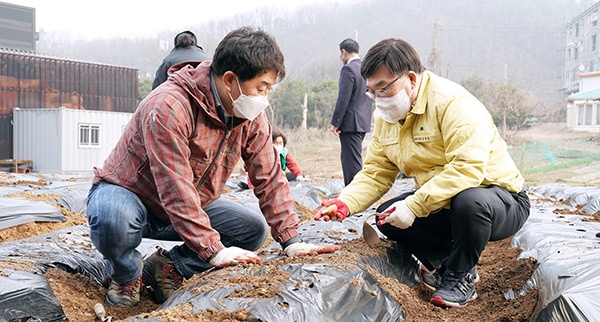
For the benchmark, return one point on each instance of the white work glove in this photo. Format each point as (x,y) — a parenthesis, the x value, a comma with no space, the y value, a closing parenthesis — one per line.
(305,249)
(300,178)
(398,215)
(229,256)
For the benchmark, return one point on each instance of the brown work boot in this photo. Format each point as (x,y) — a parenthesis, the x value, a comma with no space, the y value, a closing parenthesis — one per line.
(160,275)
(127,294)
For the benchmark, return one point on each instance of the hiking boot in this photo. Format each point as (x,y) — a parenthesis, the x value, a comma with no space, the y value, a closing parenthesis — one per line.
(127,294)
(433,281)
(456,290)
(160,275)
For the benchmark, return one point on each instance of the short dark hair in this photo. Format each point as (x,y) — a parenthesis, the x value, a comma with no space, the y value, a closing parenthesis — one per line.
(396,54)
(248,52)
(350,45)
(185,39)
(278,134)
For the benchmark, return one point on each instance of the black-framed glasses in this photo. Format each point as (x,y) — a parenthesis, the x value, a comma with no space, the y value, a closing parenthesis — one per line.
(381,92)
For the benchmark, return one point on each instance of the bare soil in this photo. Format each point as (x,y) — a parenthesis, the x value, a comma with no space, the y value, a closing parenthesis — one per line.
(318,154)
(499,269)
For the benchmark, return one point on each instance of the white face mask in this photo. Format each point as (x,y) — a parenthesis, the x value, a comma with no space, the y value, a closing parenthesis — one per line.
(278,147)
(248,107)
(395,108)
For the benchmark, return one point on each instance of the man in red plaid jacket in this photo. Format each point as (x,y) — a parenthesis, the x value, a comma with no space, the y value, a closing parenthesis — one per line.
(164,178)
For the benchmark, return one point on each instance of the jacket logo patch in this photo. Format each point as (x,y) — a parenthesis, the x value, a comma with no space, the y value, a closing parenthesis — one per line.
(422,138)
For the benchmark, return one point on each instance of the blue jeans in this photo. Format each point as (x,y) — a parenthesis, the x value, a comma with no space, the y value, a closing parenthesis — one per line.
(119,220)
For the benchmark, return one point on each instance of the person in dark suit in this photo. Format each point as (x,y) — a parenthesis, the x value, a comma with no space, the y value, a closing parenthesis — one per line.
(186,50)
(352,115)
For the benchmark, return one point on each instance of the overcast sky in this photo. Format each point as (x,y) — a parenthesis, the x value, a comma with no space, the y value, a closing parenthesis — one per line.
(132,18)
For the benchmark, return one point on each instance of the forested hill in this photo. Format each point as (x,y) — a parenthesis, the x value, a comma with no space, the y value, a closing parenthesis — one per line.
(520,42)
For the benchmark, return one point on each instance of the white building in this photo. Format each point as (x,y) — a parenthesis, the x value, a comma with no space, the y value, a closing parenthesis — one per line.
(583,108)
(65,139)
(582,47)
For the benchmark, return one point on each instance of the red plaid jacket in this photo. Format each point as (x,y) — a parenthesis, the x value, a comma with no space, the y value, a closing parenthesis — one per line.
(177,156)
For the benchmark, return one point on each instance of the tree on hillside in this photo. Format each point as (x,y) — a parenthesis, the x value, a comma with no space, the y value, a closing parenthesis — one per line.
(144,88)
(288,98)
(508,107)
(321,103)
(286,104)
(506,103)
(476,85)
(479,37)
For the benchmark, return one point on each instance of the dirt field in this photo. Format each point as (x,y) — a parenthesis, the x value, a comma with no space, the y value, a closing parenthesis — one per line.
(546,153)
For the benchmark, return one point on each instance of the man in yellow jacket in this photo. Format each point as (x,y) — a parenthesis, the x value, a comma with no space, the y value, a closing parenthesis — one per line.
(468,189)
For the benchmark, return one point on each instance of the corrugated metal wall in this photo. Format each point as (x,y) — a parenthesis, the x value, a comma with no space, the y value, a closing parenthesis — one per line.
(37,137)
(31,80)
(50,137)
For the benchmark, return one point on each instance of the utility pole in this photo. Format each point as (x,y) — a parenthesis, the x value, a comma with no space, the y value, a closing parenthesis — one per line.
(504,108)
(304,112)
(435,58)
(505,73)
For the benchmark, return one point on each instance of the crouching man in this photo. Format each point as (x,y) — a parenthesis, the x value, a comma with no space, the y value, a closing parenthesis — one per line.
(468,189)
(164,178)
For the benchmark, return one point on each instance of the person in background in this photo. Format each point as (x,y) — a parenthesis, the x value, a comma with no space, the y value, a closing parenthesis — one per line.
(468,189)
(164,178)
(287,162)
(351,118)
(186,50)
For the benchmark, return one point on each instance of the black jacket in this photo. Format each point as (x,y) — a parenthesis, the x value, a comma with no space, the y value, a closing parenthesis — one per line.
(176,56)
(353,109)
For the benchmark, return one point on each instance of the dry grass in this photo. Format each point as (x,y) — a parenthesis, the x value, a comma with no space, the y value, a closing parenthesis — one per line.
(545,153)
(551,153)
(316,151)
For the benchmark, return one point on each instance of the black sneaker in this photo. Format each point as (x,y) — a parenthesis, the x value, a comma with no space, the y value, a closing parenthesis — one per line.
(456,290)
(433,281)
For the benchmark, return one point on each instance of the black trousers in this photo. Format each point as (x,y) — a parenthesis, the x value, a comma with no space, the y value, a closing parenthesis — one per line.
(351,154)
(457,236)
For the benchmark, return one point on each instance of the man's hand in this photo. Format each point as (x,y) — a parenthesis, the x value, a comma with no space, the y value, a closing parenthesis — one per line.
(301,178)
(333,209)
(335,130)
(305,249)
(230,256)
(399,215)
